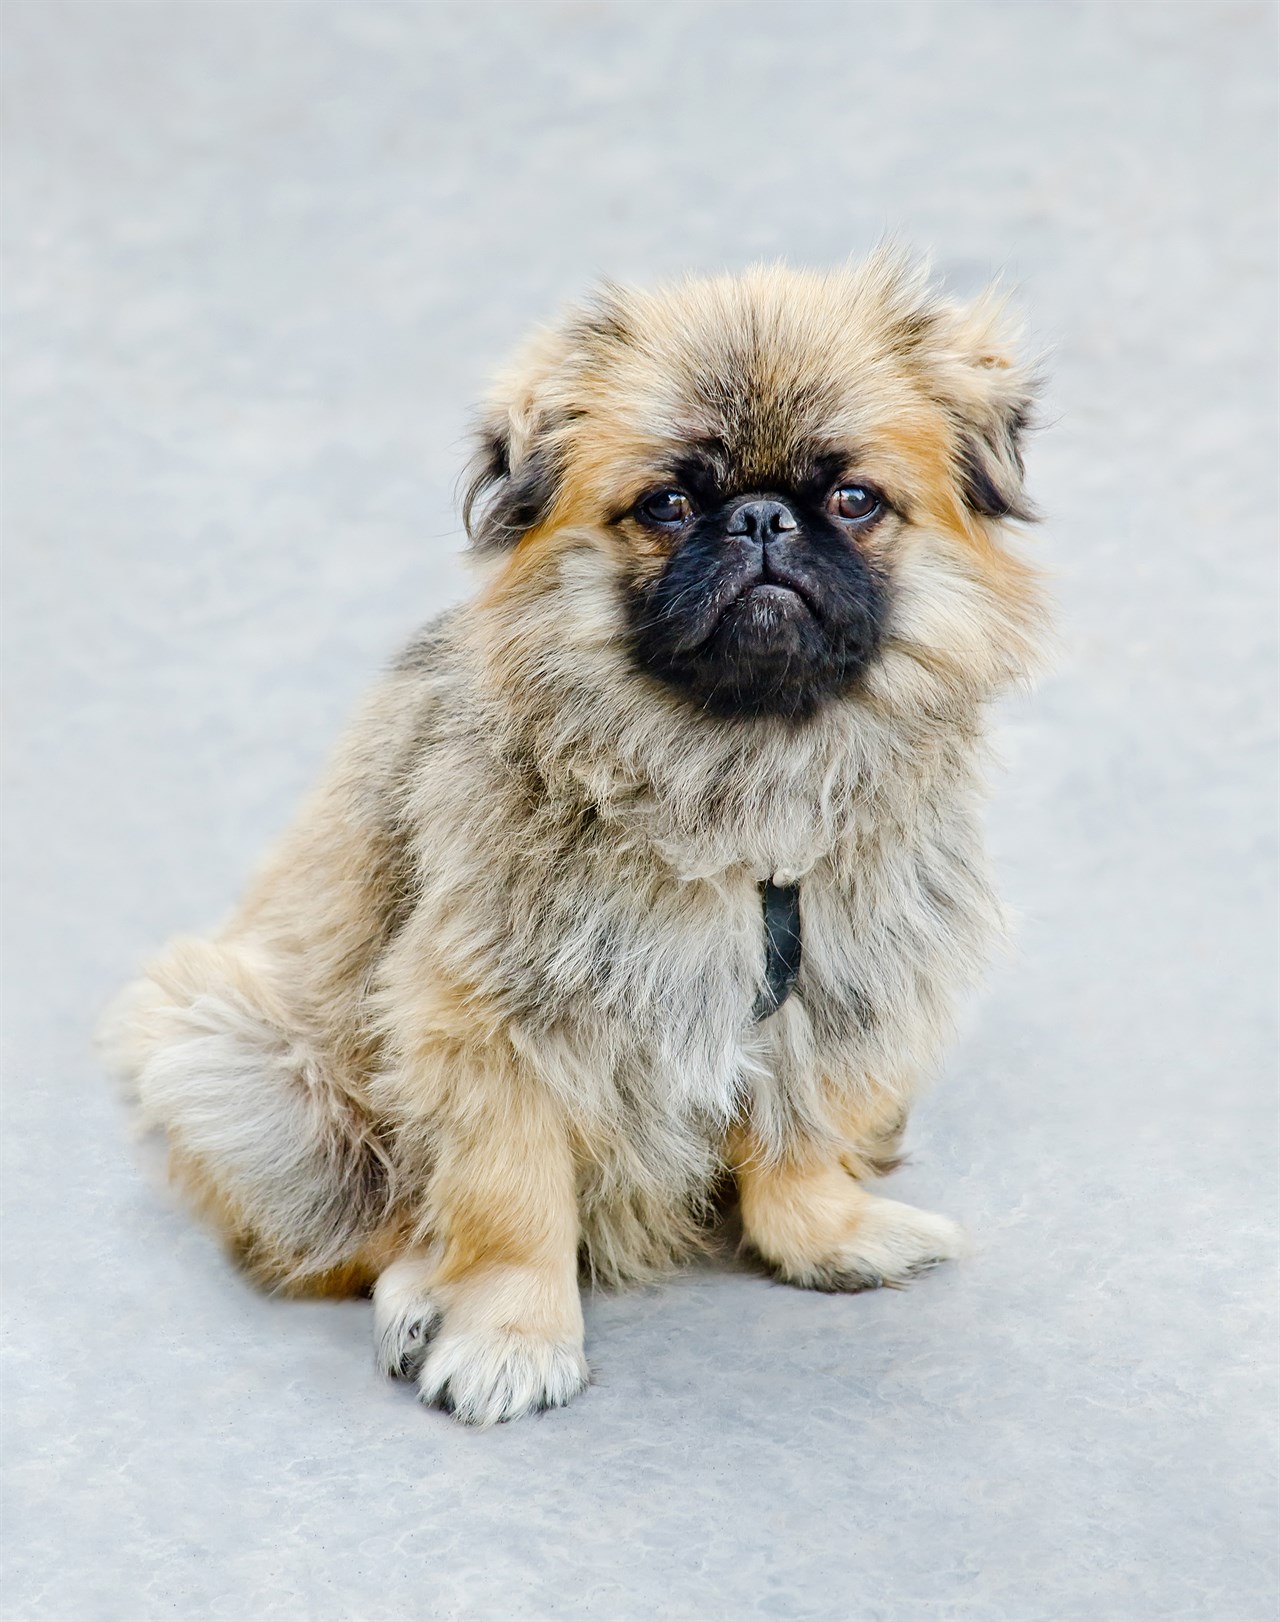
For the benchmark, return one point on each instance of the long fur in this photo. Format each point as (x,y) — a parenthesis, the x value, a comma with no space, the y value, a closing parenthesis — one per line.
(524,906)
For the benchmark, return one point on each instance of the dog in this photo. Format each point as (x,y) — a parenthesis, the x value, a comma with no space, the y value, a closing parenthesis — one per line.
(657,863)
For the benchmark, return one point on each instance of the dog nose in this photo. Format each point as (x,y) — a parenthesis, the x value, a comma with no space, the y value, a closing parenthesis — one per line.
(760,519)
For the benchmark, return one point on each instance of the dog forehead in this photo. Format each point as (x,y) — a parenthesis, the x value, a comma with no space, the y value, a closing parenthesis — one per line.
(759,382)
(758,422)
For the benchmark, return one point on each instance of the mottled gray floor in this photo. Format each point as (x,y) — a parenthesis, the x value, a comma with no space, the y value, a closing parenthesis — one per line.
(261,257)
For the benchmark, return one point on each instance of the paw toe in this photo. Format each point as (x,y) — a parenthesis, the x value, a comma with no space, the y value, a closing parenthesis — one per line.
(404,1340)
(891,1245)
(490,1377)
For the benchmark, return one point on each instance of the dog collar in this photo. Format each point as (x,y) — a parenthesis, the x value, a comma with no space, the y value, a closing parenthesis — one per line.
(780,904)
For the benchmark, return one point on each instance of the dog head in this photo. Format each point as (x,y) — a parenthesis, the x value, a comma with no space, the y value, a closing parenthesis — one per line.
(791,482)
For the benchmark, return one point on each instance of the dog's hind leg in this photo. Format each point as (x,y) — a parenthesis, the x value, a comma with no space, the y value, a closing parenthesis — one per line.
(262,1134)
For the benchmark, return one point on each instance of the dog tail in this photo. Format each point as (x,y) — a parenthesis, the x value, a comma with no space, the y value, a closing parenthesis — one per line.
(262,1136)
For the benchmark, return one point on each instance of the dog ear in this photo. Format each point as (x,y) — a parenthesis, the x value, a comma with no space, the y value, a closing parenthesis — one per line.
(516,473)
(511,486)
(518,469)
(990,393)
(514,477)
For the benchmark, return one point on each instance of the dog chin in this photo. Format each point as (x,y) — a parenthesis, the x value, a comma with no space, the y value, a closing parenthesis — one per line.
(767,655)
(771,607)
(770,626)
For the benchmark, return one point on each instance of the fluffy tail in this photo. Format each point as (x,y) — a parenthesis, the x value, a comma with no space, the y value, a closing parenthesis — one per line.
(261,1134)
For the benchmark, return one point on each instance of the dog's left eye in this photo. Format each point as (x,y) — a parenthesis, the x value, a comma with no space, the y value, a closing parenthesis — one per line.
(855,503)
(665,508)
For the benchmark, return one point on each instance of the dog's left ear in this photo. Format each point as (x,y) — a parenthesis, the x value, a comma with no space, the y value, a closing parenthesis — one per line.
(990,393)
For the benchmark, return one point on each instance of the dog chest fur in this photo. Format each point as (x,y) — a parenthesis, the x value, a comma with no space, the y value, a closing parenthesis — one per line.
(603,911)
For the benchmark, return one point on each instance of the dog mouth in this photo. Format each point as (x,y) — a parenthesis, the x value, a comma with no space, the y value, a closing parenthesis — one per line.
(775,592)
(768,603)
(763,603)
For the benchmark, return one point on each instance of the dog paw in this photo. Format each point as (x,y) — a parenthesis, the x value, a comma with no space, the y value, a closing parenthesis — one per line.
(891,1244)
(404,1319)
(486,1376)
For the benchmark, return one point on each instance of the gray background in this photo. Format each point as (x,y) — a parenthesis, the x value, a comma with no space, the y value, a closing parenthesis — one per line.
(261,257)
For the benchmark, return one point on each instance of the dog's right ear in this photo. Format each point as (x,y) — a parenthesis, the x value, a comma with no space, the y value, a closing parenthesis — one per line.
(517,471)
(512,484)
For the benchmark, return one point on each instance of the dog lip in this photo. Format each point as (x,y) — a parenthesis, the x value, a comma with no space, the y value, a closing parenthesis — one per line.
(729,594)
(773,579)
(760,588)
(771,604)
(772,588)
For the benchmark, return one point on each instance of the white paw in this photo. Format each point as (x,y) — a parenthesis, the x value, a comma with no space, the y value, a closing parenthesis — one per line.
(404,1318)
(891,1244)
(485,1376)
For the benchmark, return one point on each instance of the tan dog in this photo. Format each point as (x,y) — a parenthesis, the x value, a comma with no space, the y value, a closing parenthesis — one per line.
(657,859)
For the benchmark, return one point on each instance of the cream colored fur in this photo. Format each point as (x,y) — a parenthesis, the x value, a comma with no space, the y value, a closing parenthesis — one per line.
(487,1012)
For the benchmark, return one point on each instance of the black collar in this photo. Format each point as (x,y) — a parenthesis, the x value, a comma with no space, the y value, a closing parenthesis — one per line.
(782,944)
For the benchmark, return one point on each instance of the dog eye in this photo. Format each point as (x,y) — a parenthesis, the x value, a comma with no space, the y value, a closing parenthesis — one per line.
(666,508)
(855,503)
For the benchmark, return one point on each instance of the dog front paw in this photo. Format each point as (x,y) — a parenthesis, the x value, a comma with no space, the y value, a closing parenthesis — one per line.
(487,1375)
(890,1244)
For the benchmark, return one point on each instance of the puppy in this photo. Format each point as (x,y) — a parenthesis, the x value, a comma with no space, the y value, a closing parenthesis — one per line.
(656,862)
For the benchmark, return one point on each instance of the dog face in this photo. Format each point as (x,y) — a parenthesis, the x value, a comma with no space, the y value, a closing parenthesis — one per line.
(763,601)
(786,475)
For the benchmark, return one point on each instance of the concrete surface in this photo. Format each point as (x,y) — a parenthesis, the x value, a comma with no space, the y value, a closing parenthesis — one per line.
(261,257)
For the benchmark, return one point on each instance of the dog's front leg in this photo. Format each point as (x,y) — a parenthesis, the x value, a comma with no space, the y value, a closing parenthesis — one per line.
(806,1213)
(488,1309)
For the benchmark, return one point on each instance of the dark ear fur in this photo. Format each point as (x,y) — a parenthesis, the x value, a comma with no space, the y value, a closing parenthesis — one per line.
(991,468)
(519,465)
(990,393)
(500,504)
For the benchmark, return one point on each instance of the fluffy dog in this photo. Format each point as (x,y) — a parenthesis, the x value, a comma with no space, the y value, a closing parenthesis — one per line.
(656,862)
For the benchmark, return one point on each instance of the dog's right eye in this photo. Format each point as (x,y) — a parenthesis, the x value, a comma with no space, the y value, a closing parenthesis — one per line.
(665,509)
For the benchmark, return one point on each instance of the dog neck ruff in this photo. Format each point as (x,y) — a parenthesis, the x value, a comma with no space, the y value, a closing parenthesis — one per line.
(780,904)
